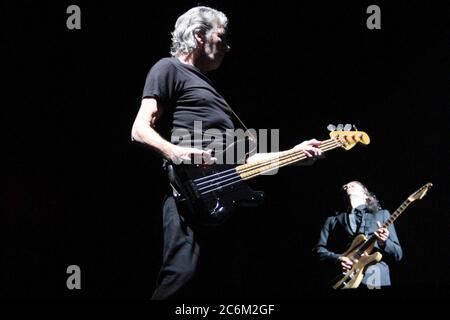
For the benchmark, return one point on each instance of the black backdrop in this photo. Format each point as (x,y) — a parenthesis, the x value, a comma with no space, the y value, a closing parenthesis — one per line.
(76,191)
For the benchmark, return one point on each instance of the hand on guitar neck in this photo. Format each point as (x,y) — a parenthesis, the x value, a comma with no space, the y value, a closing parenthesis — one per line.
(311,148)
(382,234)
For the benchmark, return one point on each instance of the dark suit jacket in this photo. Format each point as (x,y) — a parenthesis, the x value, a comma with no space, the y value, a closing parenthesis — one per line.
(336,237)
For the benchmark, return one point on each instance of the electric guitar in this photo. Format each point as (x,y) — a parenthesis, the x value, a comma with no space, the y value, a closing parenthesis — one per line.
(208,194)
(361,247)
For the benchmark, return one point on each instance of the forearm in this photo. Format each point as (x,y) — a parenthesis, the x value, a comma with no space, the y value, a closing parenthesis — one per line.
(146,135)
(258,157)
(392,248)
(326,255)
(321,248)
(309,148)
(261,157)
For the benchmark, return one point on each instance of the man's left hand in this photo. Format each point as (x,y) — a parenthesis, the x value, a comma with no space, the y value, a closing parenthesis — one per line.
(310,148)
(382,233)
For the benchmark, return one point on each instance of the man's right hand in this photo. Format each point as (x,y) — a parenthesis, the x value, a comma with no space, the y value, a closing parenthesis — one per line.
(346,263)
(186,155)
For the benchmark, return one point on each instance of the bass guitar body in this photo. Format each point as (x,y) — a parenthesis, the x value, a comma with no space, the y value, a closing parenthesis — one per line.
(209,194)
(353,277)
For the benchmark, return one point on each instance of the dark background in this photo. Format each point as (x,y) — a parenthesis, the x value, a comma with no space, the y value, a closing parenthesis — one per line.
(75,190)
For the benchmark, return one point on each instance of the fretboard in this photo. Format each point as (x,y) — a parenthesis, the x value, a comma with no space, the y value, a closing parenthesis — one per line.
(250,170)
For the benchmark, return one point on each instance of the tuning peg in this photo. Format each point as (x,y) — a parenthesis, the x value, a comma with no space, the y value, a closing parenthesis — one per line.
(331,127)
(354,127)
(339,127)
(348,127)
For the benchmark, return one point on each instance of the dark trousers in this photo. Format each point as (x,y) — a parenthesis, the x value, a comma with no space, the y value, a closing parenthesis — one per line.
(197,262)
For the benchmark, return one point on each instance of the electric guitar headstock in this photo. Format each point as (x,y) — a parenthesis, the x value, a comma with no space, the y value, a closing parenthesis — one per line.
(346,137)
(419,194)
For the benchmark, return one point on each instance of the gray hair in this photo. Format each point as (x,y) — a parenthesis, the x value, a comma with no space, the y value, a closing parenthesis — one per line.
(203,19)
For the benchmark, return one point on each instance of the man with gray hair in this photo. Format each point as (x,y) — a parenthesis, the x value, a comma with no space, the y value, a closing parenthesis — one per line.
(178,87)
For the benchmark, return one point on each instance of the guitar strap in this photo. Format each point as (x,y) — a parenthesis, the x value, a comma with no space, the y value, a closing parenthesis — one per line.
(362,223)
(252,137)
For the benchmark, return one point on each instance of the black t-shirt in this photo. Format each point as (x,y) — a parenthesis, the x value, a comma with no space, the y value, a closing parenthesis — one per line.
(186,95)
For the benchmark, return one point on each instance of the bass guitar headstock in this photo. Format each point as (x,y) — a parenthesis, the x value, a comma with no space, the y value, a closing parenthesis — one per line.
(346,137)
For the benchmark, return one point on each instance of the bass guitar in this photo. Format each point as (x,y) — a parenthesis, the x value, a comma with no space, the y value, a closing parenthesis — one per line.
(210,193)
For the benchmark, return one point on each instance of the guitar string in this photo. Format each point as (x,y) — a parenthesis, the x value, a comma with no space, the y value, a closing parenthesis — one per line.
(203,180)
(280,161)
(237,174)
(255,174)
(298,156)
(293,158)
(233,171)
(238,178)
(220,174)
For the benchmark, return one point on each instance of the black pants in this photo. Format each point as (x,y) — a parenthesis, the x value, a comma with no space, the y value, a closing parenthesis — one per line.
(198,262)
